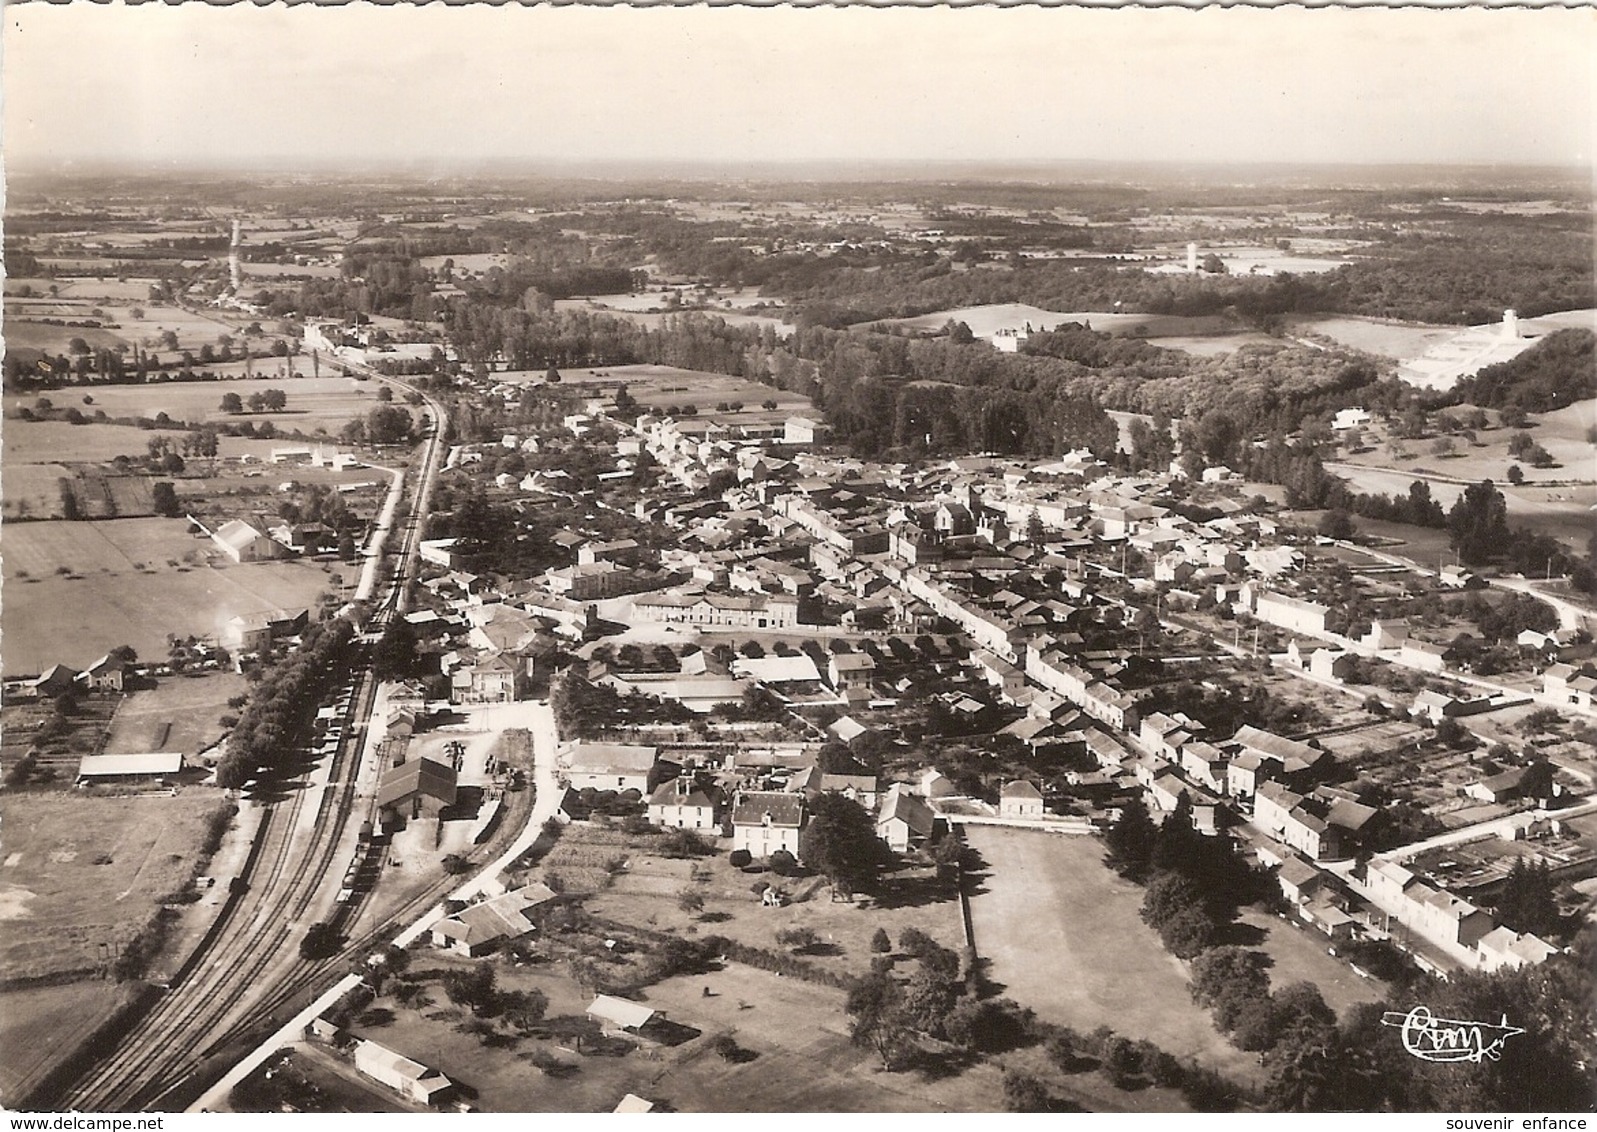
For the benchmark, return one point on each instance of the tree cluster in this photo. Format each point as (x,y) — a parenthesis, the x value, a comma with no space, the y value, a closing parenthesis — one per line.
(280,701)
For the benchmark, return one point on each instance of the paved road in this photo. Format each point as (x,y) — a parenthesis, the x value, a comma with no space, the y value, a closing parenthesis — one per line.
(537,718)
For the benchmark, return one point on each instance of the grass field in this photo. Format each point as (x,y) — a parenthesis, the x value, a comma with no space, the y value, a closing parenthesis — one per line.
(657,386)
(313,402)
(41,1025)
(183,589)
(984,321)
(1399,341)
(1298,954)
(182,713)
(22,334)
(1063,935)
(49,442)
(82,870)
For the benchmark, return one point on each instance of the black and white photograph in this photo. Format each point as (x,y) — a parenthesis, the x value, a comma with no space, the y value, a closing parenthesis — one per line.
(856,559)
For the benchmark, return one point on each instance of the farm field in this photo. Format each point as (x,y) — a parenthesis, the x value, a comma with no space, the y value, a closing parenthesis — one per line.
(288,270)
(313,402)
(181,713)
(655,386)
(23,334)
(41,1025)
(652,318)
(985,321)
(185,588)
(82,869)
(50,442)
(130,290)
(1063,936)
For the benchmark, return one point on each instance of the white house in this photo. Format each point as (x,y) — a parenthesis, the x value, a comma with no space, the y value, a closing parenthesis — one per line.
(1020,799)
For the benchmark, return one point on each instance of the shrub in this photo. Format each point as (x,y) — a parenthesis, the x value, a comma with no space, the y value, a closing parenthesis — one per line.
(741,859)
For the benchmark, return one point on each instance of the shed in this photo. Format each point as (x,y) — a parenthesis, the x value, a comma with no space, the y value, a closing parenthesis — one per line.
(129,768)
(619,1015)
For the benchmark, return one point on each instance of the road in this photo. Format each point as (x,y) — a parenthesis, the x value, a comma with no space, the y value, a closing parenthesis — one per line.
(249,964)
(538,719)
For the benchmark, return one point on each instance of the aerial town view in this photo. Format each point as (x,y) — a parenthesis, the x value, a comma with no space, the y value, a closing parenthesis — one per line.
(798,560)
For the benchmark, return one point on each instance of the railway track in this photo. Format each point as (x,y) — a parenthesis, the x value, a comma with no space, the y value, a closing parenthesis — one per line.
(249,966)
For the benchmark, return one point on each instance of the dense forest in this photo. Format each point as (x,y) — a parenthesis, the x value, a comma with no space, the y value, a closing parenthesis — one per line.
(1553,374)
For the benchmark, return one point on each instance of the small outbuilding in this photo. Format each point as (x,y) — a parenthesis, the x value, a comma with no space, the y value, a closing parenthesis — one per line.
(1020,799)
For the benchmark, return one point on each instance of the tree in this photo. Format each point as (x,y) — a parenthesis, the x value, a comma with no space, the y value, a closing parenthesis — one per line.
(389,424)
(1188,932)
(1227,978)
(1025,1093)
(840,841)
(1478,523)
(875,1008)
(385,394)
(1527,903)
(881,942)
(394,657)
(1336,523)
(797,940)
(163,496)
(232,403)
(274,400)
(1131,841)
(929,998)
(690,900)
(1516,474)
(473,987)
(552,376)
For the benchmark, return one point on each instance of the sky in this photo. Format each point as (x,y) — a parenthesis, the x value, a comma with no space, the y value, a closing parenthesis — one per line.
(341,88)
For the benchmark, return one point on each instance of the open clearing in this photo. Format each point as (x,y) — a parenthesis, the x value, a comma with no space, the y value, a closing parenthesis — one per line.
(985,321)
(182,713)
(89,870)
(186,588)
(1063,935)
(1399,341)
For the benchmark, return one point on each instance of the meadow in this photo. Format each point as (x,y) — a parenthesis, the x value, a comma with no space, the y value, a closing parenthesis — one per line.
(314,403)
(134,582)
(657,386)
(1063,936)
(984,321)
(84,870)
(181,714)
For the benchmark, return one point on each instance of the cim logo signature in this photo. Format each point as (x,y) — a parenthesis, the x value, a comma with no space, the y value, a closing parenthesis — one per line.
(1448,1039)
